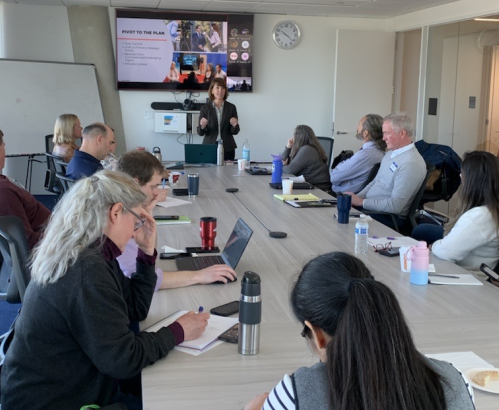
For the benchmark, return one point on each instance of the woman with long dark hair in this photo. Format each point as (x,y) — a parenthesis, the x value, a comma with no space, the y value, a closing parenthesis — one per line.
(472,238)
(367,357)
(305,156)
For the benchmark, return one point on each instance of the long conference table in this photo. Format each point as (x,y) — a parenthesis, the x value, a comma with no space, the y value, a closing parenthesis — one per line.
(442,318)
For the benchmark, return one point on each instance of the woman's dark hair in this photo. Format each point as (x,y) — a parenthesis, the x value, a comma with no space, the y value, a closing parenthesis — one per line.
(373,124)
(304,135)
(217,81)
(372,361)
(479,185)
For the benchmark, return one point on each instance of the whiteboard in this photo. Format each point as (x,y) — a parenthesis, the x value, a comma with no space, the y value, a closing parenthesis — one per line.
(34,93)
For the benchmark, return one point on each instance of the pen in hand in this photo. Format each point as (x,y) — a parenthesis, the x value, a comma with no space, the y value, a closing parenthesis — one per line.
(200,310)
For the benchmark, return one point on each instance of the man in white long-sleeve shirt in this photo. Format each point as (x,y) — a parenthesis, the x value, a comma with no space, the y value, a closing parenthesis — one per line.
(400,176)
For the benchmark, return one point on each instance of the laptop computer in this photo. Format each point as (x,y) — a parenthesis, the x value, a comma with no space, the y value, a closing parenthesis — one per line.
(200,153)
(258,171)
(296,185)
(230,256)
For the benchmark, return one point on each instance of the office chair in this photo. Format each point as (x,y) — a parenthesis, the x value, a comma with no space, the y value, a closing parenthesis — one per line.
(61,166)
(372,175)
(66,182)
(52,184)
(49,143)
(14,274)
(410,223)
(327,144)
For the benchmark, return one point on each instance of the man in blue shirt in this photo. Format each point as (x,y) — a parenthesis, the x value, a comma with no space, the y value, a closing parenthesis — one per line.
(351,174)
(97,142)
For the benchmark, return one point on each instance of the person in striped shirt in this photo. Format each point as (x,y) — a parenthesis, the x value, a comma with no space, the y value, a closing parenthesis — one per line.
(367,357)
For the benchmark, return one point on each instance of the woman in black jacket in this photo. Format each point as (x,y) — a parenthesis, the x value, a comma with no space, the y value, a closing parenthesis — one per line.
(218,119)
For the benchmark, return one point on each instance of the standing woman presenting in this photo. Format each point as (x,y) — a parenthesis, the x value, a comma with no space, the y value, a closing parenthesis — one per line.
(218,119)
(67,130)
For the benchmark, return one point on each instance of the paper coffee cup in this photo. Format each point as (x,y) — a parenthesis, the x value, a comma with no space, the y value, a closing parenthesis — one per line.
(405,262)
(173,178)
(287,186)
(241,164)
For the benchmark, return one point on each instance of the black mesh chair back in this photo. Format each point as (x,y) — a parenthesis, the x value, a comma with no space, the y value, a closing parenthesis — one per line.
(372,175)
(15,253)
(49,143)
(52,184)
(327,144)
(66,182)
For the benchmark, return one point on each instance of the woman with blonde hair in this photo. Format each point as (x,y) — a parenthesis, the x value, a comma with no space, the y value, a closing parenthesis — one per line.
(305,156)
(67,130)
(73,332)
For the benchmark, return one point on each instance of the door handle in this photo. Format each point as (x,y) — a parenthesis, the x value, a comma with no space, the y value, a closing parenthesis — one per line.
(341,133)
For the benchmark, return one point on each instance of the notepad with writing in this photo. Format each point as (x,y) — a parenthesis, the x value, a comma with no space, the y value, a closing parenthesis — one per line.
(182,219)
(296,197)
(216,326)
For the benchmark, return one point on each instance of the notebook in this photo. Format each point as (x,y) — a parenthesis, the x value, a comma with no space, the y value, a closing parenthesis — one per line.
(296,185)
(234,249)
(200,153)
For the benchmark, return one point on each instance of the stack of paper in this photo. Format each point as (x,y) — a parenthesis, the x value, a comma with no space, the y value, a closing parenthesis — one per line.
(454,279)
(209,339)
(297,197)
(396,241)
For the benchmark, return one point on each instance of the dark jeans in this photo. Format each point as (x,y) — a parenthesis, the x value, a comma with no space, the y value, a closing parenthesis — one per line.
(428,233)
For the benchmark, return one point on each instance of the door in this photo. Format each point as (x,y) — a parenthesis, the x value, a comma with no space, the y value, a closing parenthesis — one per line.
(363,82)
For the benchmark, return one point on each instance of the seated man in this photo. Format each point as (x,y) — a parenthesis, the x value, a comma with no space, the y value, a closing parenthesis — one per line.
(16,201)
(97,142)
(147,172)
(400,176)
(351,174)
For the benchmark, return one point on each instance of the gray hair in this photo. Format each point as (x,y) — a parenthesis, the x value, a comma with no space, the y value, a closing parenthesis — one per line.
(94,129)
(79,220)
(373,124)
(401,121)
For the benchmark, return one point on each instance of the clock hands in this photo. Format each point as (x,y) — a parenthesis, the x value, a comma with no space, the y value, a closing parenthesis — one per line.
(287,35)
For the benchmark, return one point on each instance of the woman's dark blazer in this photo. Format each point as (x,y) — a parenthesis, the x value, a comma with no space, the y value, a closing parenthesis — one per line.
(211,131)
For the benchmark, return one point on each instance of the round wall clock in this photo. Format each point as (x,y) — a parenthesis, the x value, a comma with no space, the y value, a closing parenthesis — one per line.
(286,34)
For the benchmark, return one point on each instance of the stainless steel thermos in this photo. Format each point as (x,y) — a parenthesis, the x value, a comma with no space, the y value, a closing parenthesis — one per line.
(250,314)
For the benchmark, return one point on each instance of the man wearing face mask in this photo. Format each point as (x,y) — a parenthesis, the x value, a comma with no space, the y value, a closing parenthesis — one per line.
(351,174)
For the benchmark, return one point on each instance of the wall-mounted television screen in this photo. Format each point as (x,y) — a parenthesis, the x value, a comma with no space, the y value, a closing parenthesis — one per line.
(167,50)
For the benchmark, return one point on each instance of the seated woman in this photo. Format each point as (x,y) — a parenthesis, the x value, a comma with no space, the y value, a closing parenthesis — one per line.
(72,341)
(367,357)
(173,75)
(472,238)
(67,131)
(305,156)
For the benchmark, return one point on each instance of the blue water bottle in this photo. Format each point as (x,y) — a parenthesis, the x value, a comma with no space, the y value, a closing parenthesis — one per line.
(276,169)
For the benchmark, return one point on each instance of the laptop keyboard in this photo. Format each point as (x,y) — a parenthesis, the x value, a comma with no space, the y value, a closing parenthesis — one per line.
(206,261)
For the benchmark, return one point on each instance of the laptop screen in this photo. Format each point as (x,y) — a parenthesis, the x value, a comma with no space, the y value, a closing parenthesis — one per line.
(236,244)
(200,153)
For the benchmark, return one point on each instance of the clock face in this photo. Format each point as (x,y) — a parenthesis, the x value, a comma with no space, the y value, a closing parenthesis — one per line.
(286,34)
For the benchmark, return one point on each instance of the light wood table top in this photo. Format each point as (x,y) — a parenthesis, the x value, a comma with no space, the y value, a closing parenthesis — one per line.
(442,318)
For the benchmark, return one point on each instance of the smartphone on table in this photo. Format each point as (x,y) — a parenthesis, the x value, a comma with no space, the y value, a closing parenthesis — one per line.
(227,309)
(389,252)
(489,272)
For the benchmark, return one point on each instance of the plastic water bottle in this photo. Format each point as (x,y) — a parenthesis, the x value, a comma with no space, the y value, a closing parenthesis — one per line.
(420,260)
(246,151)
(361,234)
(220,153)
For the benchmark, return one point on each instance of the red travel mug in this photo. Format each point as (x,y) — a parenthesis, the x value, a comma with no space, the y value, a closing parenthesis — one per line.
(208,231)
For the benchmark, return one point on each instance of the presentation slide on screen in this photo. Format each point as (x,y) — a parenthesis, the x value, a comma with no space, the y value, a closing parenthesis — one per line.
(185,54)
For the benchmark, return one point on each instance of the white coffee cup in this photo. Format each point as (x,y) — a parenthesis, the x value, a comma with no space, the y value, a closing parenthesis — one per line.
(287,186)
(174,177)
(241,164)
(405,262)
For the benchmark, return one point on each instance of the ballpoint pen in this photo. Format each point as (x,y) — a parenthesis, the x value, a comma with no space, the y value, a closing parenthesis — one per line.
(200,310)
(443,276)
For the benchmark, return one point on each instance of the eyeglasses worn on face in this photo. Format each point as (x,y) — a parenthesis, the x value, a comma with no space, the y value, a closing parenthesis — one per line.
(141,221)
(380,247)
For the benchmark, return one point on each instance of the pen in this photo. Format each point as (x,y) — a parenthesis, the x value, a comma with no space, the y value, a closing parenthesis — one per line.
(164,180)
(443,276)
(200,310)
(391,238)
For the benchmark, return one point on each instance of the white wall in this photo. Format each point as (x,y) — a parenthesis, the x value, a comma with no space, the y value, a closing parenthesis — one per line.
(291,87)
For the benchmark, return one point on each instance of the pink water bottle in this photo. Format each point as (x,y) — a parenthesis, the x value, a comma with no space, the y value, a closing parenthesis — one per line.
(420,260)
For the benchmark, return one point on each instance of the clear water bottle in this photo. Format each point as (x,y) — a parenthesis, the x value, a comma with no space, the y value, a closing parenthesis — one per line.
(220,153)
(361,234)
(246,151)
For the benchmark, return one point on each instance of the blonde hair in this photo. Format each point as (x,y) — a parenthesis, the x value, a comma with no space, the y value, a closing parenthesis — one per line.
(79,220)
(64,128)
